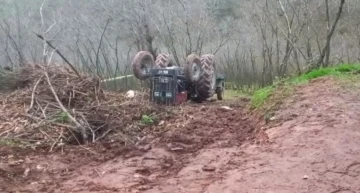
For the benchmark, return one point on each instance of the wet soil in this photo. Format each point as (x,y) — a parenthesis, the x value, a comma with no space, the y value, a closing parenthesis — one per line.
(311,145)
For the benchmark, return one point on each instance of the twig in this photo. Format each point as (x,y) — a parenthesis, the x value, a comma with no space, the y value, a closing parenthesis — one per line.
(64,125)
(33,94)
(341,190)
(78,125)
(51,55)
(70,97)
(96,96)
(89,127)
(77,140)
(43,110)
(56,141)
(97,172)
(104,135)
(98,50)
(44,133)
(89,150)
(7,131)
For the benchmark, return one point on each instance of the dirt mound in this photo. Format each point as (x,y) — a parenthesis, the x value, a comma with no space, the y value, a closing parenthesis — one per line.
(167,148)
(53,107)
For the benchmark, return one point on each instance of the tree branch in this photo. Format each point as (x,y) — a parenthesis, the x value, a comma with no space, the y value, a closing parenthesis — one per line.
(78,125)
(60,54)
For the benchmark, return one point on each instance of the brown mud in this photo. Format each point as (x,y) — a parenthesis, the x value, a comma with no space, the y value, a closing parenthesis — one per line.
(311,145)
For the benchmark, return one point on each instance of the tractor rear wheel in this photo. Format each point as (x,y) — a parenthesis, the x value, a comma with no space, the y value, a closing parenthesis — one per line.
(141,64)
(193,68)
(207,80)
(164,60)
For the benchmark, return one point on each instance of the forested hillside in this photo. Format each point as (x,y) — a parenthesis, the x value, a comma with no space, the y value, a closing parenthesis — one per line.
(254,40)
(287,121)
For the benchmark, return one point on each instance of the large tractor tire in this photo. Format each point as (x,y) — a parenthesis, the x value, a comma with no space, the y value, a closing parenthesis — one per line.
(164,60)
(206,84)
(193,68)
(141,64)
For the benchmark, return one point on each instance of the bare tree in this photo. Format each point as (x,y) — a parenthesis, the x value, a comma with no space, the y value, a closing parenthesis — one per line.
(254,41)
(330,31)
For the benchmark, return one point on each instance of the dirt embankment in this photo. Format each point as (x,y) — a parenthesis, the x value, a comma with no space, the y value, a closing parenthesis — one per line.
(313,145)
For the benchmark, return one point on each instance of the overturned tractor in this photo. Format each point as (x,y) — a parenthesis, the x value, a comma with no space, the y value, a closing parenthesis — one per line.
(170,84)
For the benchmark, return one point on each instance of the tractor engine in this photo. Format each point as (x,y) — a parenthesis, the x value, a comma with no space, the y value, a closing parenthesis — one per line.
(168,86)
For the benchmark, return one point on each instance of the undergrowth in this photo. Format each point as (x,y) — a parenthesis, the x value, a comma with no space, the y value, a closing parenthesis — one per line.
(12,143)
(233,94)
(261,96)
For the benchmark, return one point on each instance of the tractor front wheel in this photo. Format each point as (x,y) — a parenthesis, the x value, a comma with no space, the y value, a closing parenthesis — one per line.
(193,68)
(141,64)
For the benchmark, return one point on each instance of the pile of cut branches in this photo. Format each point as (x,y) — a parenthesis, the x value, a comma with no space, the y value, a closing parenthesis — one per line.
(52,105)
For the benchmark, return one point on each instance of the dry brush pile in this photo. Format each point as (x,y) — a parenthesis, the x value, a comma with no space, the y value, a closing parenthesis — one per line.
(53,106)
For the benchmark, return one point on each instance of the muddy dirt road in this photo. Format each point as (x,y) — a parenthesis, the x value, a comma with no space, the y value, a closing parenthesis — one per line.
(313,145)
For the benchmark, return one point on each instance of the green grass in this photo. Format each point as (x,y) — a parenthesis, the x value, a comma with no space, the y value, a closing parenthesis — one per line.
(260,96)
(345,70)
(62,117)
(341,70)
(148,119)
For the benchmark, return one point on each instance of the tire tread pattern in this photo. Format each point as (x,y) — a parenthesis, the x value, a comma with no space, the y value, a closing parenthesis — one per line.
(164,60)
(205,82)
(138,62)
(190,60)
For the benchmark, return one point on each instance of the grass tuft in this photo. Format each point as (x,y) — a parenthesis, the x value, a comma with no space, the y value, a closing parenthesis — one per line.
(260,96)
